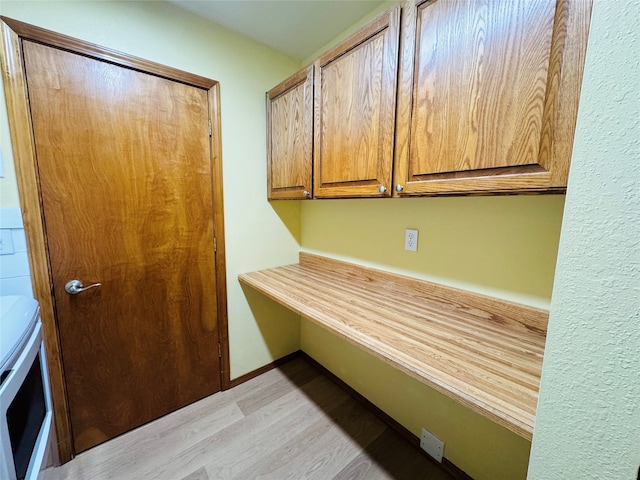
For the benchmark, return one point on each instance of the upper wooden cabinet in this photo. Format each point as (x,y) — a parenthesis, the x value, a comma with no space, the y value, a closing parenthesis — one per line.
(488,94)
(487,100)
(290,137)
(354,112)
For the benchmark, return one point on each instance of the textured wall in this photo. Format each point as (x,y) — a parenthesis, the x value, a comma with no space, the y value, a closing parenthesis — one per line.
(588,420)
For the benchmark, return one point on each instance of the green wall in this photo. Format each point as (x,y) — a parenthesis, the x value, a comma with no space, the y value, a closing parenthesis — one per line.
(480,447)
(502,246)
(588,418)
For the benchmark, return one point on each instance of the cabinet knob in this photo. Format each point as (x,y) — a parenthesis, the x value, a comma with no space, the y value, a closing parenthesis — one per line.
(382,189)
(305,193)
(399,188)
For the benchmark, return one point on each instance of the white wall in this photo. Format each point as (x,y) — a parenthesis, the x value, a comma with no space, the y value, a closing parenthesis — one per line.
(588,420)
(15,277)
(258,234)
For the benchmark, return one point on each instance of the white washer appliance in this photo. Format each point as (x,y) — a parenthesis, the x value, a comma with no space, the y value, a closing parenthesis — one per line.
(25,397)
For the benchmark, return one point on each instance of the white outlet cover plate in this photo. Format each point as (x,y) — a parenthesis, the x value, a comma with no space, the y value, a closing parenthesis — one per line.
(432,445)
(411,240)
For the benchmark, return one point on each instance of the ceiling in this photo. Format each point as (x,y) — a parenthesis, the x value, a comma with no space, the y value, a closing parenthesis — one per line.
(296,28)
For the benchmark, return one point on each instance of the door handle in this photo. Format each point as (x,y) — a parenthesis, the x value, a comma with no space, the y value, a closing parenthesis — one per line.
(74,287)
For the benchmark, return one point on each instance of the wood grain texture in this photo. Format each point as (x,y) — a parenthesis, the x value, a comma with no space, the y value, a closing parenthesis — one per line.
(382,456)
(571,33)
(264,369)
(215,142)
(29,192)
(290,137)
(299,425)
(477,95)
(354,119)
(484,353)
(15,89)
(479,85)
(125,173)
(412,439)
(30,32)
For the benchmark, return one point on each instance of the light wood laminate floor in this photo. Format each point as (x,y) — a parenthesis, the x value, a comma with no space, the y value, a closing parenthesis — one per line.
(289,423)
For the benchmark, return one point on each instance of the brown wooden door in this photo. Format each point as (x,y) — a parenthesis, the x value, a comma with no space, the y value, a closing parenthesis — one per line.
(477,89)
(355,93)
(126,179)
(290,137)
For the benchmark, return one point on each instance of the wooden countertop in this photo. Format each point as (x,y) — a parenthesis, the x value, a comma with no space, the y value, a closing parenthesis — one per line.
(483,352)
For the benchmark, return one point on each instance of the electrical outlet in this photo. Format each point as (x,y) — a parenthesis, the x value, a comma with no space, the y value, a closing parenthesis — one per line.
(432,445)
(411,240)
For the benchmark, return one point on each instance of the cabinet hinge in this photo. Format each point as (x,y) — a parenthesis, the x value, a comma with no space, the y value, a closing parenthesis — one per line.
(219,350)
(210,128)
(215,245)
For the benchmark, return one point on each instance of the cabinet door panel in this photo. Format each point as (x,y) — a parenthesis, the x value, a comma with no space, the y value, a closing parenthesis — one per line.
(488,94)
(351,115)
(481,77)
(355,112)
(290,137)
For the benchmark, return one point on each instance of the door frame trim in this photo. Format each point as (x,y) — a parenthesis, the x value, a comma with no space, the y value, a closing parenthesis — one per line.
(12,33)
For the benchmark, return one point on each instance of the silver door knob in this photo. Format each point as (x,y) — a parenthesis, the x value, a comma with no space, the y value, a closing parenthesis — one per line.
(305,193)
(74,287)
(399,188)
(382,189)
